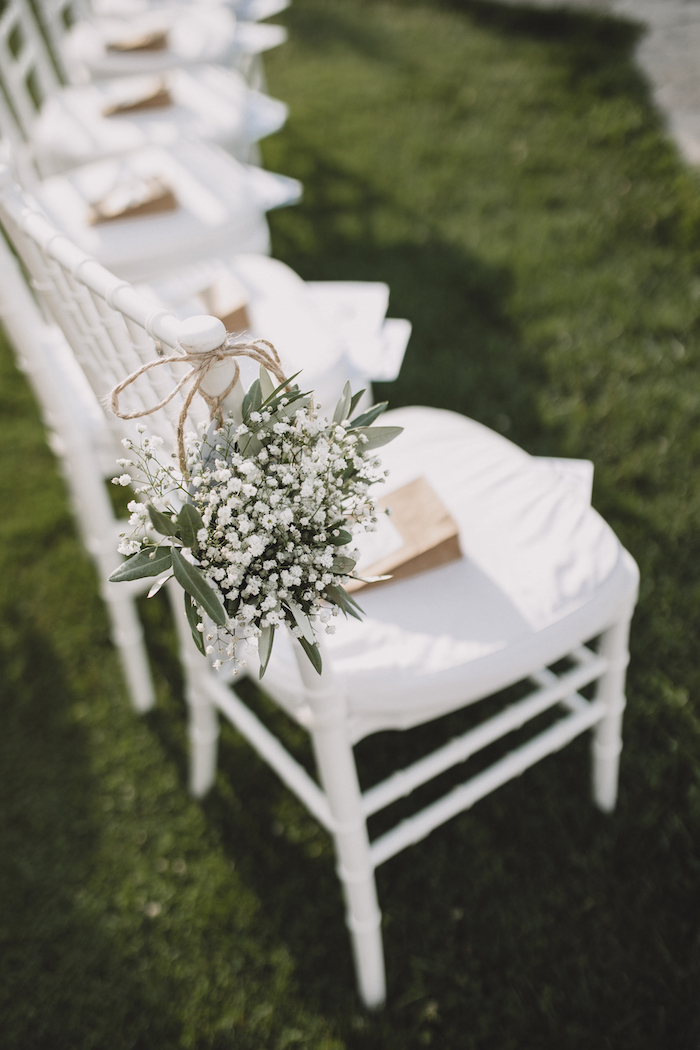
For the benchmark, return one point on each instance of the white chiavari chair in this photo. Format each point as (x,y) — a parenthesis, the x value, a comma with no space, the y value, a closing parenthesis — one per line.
(541,575)
(88,45)
(206,202)
(68,126)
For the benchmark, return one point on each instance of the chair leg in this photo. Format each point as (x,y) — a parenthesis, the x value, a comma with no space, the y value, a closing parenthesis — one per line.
(338,774)
(607,736)
(336,766)
(203,728)
(127,636)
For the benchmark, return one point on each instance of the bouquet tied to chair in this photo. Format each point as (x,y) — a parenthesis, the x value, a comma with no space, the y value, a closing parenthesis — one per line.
(256,521)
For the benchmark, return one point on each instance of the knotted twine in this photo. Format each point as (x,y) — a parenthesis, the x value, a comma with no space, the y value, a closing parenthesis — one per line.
(201,363)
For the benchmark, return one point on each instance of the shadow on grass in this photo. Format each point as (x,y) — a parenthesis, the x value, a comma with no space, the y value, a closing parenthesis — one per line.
(465,353)
(66,982)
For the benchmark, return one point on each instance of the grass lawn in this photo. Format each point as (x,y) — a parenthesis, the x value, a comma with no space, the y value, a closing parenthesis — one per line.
(504,171)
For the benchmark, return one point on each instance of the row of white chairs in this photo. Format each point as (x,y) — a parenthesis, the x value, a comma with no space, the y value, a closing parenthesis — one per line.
(541,574)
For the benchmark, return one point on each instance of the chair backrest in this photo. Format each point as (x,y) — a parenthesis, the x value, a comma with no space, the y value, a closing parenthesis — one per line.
(110,327)
(27,73)
(56,17)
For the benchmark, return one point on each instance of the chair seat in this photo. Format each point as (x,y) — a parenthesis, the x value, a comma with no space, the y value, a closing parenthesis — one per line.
(541,573)
(209,103)
(248,10)
(204,33)
(222,206)
(376,345)
(314,326)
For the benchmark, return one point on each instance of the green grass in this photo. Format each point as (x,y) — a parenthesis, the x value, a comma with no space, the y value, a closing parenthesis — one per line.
(504,171)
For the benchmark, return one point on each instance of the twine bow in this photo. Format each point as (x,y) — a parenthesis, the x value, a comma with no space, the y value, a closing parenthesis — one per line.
(201,364)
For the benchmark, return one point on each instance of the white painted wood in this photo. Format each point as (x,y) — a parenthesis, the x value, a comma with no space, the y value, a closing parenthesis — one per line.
(338,775)
(546,574)
(463,797)
(461,748)
(67,126)
(41,348)
(607,739)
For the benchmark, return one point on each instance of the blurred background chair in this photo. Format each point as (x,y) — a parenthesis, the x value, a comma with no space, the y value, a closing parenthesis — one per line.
(68,126)
(541,575)
(89,46)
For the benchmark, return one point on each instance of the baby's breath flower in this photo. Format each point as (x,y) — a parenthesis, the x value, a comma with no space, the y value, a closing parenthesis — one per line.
(267,513)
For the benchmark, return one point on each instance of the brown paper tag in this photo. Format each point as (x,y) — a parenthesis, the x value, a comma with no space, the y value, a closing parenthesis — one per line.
(154,41)
(429,532)
(237,321)
(159,98)
(149,197)
(227,299)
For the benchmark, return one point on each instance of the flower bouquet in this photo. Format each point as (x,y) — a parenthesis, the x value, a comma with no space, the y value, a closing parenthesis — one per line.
(257,524)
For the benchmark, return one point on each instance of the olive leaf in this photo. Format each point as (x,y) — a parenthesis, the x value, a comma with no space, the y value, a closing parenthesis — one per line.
(151,561)
(302,620)
(342,599)
(267,387)
(192,581)
(313,653)
(193,619)
(355,402)
(342,538)
(162,523)
(159,583)
(267,402)
(189,521)
(343,406)
(368,417)
(343,564)
(267,637)
(377,436)
(252,399)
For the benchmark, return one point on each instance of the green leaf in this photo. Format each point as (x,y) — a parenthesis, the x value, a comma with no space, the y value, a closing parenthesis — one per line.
(343,600)
(312,651)
(368,417)
(279,389)
(343,406)
(377,436)
(267,387)
(189,521)
(192,581)
(293,406)
(252,400)
(302,620)
(162,523)
(265,641)
(193,620)
(149,562)
(168,575)
(343,564)
(355,402)
(249,445)
(342,538)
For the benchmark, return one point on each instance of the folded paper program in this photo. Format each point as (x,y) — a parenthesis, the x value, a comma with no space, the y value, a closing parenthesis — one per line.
(157,40)
(227,299)
(133,200)
(158,98)
(429,533)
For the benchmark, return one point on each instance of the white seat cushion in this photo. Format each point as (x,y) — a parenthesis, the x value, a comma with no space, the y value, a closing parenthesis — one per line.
(541,573)
(248,10)
(209,103)
(222,206)
(206,33)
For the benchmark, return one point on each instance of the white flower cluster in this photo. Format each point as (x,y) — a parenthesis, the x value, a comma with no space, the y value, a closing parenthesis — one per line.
(272,519)
(279,499)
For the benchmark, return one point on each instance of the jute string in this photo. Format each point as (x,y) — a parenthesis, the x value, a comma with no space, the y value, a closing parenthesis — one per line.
(259,350)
